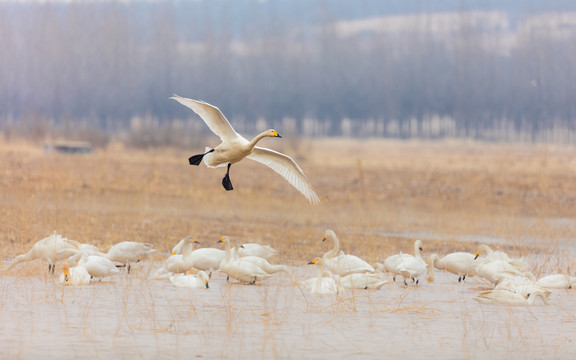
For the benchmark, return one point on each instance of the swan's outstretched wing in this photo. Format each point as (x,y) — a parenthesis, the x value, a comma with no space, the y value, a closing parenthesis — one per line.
(211,115)
(285,166)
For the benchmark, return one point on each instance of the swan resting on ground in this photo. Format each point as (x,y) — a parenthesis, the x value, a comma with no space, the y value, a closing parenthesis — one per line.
(77,275)
(253,249)
(361,281)
(234,148)
(199,280)
(244,271)
(557,281)
(324,284)
(506,297)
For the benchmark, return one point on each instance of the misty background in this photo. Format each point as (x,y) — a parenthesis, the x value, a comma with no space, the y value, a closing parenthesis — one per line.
(98,70)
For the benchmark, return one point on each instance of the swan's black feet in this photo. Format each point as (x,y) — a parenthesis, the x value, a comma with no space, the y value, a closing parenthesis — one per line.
(227,183)
(197,159)
(226,180)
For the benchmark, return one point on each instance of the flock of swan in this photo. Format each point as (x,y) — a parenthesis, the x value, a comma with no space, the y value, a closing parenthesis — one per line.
(511,281)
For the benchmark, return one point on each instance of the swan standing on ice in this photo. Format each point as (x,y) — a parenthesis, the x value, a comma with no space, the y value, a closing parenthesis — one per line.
(199,280)
(406,265)
(458,263)
(340,263)
(52,249)
(127,252)
(234,148)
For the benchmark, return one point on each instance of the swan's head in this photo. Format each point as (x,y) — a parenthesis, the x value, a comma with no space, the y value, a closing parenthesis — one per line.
(418,244)
(483,249)
(66,270)
(273,133)
(329,234)
(315,261)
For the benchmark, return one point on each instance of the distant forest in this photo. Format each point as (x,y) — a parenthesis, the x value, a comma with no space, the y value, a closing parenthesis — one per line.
(400,69)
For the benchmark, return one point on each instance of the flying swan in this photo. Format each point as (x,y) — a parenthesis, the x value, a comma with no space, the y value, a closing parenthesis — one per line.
(234,148)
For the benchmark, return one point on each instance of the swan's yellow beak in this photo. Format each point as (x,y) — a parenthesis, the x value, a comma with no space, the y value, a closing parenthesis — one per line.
(206,283)
(275,133)
(477,254)
(324,238)
(195,241)
(313,262)
(219,241)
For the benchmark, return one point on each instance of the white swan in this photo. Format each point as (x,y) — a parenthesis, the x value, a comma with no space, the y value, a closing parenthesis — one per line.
(408,266)
(77,275)
(458,263)
(340,263)
(497,270)
(509,298)
(127,252)
(500,255)
(239,269)
(180,263)
(98,266)
(199,280)
(557,281)
(234,148)
(324,284)
(523,285)
(361,281)
(51,249)
(253,249)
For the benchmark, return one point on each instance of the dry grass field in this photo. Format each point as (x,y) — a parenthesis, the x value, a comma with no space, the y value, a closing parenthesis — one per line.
(378,196)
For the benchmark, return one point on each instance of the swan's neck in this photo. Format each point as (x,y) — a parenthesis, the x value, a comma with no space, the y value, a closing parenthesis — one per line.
(417,250)
(258,138)
(335,249)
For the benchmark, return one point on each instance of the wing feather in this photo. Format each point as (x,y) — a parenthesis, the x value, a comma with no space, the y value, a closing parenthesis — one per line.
(287,168)
(211,115)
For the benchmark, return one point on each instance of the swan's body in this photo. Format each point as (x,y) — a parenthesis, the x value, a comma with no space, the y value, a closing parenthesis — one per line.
(500,255)
(408,266)
(340,263)
(242,270)
(207,259)
(253,249)
(458,263)
(509,298)
(127,252)
(523,285)
(51,249)
(267,267)
(361,281)
(234,148)
(77,275)
(324,284)
(497,270)
(98,266)
(199,280)
(557,281)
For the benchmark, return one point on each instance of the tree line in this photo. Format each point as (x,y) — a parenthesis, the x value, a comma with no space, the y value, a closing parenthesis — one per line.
(111,66)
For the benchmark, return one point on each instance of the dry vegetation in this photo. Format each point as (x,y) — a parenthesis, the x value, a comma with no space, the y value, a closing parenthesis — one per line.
(377,195)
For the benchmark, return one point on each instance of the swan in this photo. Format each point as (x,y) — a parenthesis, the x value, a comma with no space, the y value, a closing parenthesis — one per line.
(394,264)
(510,298)
(234,148)
(496,270)
(127,252)
(96,265)
(458,263)
(557,281)
(180,263)
(500,255)
(361,281)
(253,249)
(52,249)
(340,263)
(239,269)
(523,285)
(77,275)
(324,284)
(199,280)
